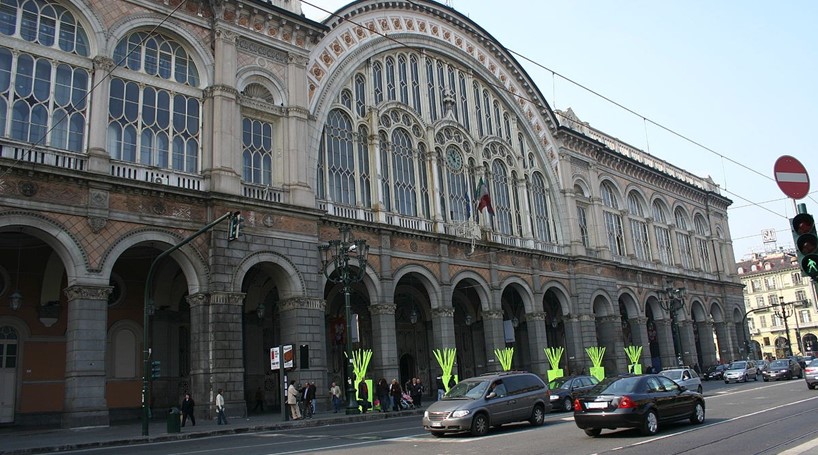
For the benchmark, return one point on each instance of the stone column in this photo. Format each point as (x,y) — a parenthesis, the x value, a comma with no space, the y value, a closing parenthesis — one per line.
(225,350)
(707,345)
(99,160)
(303,323)
(578,331)
(536,342)
(385,352)
(494,339)
(86,337)
(725,352)
(687,343)
(610,331)
(664,334)
(200,349)
(639,333)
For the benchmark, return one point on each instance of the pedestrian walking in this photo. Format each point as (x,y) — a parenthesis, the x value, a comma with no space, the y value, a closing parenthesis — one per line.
(395,393)
(222,417)
(382,391)
(308,394)
(335,392)
(187,410)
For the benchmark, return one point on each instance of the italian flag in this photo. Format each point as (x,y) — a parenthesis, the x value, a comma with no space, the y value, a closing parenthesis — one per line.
(483,197)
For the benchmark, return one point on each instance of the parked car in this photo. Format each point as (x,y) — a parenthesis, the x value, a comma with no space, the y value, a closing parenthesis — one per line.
(782,369)
(684,376)
(811,374)
(740,371)
(800,360)
(715,372)
(478,403)
(565,389)
(761,365)
(641,402)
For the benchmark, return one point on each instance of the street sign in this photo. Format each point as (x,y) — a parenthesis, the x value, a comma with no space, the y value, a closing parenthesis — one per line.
(791,177)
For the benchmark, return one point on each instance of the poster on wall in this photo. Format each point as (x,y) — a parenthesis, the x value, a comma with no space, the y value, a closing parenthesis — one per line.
(275,362)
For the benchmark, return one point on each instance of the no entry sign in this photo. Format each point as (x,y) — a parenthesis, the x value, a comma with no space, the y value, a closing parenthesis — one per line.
(791,177)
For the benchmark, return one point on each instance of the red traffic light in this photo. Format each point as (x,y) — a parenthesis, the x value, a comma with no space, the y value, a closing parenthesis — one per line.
(803,223)
(807,244)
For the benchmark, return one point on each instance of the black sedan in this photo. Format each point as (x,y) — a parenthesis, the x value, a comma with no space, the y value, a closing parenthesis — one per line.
(715,372)
(641,402)
(782,369)
(564,389)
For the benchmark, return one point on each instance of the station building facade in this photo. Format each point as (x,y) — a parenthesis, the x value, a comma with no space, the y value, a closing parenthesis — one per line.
(128,126)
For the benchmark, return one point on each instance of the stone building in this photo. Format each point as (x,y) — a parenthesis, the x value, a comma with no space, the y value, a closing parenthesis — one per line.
(127,127)
(769,280)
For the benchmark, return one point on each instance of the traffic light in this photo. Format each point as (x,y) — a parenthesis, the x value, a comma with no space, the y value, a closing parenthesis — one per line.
(155,369)
(234,226)
(806,243)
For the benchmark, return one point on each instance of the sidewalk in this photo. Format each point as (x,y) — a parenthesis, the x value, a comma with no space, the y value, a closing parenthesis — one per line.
(19,441)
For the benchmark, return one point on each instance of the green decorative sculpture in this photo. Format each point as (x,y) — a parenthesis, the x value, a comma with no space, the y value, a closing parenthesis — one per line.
(634,353)
(360,363)
(595,353)
(554,355)
(445,357)
(504,356)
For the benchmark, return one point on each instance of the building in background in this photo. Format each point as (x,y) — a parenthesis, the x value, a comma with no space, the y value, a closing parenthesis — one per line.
(126,127)
(770,280)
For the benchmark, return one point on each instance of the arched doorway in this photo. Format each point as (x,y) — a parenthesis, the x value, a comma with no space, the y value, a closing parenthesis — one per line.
(8,373)
(407,370)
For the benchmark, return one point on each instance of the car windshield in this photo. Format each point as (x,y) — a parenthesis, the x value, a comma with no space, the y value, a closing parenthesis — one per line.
(468,389)
(814,363)
(672,374)
(779,364)
(559,383)
(738,366)
(615,386)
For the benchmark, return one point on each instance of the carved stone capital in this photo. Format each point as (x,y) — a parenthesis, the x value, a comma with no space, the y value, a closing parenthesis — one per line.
(302,303)
(493,314)
(381,309)
(223,90)
(88,292)
(198,299)
(443,313)
(227,298)
(104,63)
(662,322)
(226,35)
(535,316)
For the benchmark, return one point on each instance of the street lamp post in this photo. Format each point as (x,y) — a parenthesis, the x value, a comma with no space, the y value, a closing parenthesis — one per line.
(785,314)
(335,264)
(672,302)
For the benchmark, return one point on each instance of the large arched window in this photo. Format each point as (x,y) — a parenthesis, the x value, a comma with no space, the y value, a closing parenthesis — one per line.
(539,202)
(700,226)
(663,245)
(43,100)
(403,166)
(339,152)
(613,220)
(257,154)
(501,197)
(151,125)
(683,238)
(639,228)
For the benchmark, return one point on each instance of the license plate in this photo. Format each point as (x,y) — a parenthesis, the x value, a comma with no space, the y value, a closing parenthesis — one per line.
(436,425)
(596,405)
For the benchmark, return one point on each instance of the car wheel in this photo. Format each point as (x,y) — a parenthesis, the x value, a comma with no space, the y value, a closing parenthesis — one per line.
(810,386)
(650,424)
(567,404)
(480,425)
(755,377)
(698,414)
(699,389)
(744,379)
(438,434)
(537,416)
(726,382)
(593,432)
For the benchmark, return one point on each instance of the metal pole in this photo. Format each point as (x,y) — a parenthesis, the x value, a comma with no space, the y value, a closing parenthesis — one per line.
(148,303)
(352,402)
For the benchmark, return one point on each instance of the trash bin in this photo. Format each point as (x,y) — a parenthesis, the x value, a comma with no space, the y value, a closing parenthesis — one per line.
(174,420)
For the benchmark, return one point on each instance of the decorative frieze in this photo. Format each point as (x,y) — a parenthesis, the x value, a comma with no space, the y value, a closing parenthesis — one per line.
(302,303)
(443,312)
(253,47)
(535,316)
(493,314)
(88,292)
(382,309)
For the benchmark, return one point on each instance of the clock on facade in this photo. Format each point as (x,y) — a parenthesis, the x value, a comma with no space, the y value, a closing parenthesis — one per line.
(455,159)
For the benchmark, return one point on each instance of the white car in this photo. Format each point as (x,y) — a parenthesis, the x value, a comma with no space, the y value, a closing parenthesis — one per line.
(684,376)
(741,371)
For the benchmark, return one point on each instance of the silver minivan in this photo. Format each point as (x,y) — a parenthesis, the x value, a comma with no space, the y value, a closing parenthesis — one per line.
(478,403)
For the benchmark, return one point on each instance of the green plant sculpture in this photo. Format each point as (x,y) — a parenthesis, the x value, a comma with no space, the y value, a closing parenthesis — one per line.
(596,353)
(554,355)
(445,357)
(360,363)
(634,352)
(504,356)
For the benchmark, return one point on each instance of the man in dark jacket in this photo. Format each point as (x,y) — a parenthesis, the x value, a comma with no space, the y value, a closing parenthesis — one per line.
(309,395)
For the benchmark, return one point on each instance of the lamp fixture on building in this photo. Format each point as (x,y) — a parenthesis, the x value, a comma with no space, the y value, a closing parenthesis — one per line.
(16,298)
(413,315)
(260,311)
(468,320)
(344,262)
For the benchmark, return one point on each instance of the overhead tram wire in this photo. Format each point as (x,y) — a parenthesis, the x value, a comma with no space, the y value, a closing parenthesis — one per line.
(589,90)
(34,145)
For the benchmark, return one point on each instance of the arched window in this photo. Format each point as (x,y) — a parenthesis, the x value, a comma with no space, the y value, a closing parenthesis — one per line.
(700,226)
(403,165)
(639,228)
(663,244)
(340,158)
(150,125)
(501,197)
(540,202)
(613,220)
(683,238)
(43,99)
(257,154)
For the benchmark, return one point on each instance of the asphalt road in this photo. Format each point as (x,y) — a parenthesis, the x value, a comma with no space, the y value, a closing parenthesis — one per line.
(751,418)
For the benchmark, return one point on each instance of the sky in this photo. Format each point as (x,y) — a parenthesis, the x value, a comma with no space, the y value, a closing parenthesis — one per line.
(719,88)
